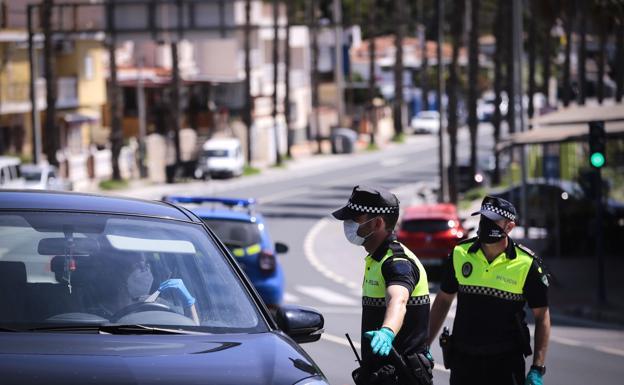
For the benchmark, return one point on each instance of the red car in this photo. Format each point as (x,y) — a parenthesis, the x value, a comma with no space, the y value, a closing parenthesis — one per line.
(431,231)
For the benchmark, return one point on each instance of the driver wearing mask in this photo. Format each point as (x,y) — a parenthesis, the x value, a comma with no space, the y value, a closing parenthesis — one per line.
(138,285)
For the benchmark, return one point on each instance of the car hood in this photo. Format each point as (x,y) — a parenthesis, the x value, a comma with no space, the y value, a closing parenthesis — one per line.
(70,358)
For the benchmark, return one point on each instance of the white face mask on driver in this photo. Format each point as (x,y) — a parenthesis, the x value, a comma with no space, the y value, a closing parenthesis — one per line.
(351,228)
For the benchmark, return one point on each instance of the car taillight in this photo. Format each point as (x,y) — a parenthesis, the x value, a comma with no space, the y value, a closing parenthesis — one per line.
(267,262)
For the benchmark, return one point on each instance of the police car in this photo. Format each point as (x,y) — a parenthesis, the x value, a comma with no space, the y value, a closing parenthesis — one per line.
(245,234)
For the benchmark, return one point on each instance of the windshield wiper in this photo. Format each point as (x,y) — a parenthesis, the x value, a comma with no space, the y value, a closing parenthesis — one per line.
(113,329)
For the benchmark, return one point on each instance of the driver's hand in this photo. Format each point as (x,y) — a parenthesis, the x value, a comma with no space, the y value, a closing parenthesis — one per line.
(177,284)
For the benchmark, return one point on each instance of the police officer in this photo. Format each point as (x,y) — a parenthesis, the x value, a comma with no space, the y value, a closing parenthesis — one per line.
(493,278)
(395,291)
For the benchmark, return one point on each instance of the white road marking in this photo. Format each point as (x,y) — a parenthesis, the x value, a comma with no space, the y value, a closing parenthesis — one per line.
(575,343)
(608,350)
(392,162)
(289,297)
(325,295)
(284,194)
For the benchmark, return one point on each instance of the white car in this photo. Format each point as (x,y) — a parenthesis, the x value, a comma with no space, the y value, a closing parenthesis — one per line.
(10,175)
(220,157)
(43,177)
(426,122)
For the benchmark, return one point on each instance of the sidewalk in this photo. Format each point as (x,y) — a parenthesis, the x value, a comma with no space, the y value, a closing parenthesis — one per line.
(573,293)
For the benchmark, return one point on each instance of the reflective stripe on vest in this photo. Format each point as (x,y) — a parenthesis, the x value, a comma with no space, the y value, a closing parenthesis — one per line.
(502,278)
(374,285)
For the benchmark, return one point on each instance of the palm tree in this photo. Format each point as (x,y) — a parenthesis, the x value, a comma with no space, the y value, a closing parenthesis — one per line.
(424,68)
(287,57)
(453,84)
(473,81)
(509,55)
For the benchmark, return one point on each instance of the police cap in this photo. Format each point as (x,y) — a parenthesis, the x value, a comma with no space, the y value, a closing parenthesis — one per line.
(368,200)
(496,209)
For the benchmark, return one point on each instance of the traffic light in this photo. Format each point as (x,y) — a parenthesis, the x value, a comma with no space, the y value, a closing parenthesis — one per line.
(597,144)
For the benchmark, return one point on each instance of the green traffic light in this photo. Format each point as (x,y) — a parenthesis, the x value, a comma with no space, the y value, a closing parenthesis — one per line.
(597,159)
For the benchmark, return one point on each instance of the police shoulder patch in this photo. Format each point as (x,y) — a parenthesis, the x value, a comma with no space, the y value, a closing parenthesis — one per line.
(526,249)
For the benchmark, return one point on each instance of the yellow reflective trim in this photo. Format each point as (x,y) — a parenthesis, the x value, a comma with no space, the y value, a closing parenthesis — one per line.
(238,252)
(254,249)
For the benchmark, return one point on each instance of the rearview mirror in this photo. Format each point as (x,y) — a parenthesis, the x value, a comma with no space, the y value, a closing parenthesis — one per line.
(281,248)
(300,323)
(60,246)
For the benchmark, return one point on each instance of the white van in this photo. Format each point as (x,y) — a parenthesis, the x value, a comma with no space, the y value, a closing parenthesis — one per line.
(10,176)
(220,157)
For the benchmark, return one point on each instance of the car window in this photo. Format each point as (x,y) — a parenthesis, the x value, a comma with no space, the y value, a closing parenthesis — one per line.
(32,176)
(235,233)
(216,153)
(67,268)
(425,225)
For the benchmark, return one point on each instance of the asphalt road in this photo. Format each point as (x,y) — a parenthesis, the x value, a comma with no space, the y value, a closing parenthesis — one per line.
(324,271)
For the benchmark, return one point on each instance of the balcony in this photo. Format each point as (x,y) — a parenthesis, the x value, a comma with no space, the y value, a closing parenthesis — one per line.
(15,96)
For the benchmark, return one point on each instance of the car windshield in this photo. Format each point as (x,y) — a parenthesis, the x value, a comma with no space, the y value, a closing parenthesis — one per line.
(428,115)
(216,153)
(426,225)
(31,175)
(72,269)
(235,233)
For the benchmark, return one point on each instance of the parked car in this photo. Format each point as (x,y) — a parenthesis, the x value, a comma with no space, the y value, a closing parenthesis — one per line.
(10,173)
(431,231)
(43,177)
(245,233)
(425,122)
(486,106)
(106,290)
(221,157)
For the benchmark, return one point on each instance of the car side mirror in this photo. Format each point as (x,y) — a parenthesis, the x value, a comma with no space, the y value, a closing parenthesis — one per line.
(302,324)
(281,248)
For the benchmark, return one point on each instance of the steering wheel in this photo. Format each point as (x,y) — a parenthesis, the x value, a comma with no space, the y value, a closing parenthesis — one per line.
(141,306)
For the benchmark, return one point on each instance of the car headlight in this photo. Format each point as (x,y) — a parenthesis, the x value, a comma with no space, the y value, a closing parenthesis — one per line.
(316,380)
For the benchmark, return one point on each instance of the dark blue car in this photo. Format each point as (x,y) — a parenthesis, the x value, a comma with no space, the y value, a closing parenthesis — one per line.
(104,290)
(245,233)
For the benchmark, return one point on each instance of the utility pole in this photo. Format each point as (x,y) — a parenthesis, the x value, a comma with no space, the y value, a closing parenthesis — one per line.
(116,135)
(339,64)
(287,112)
(52,144)
(443,191)
(34,109)
(248,100)
(278,156)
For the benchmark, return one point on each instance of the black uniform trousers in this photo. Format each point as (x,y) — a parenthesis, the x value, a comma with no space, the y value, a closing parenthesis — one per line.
(500,369)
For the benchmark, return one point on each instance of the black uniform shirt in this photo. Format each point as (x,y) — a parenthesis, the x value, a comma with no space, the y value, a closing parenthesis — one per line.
(486,320)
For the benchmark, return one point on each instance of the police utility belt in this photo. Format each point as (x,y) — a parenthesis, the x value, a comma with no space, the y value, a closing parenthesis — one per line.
(416,369)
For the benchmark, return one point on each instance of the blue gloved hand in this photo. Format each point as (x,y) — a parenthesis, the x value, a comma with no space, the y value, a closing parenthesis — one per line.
(381,340)
(179,286)
(534,378)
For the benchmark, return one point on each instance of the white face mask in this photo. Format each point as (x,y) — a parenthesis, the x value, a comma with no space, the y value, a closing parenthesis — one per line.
(139,283)
(351,228)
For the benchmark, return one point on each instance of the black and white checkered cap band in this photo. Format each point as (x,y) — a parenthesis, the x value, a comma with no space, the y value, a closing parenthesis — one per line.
(499,211)
(381,302)
(371,209)
(489,291)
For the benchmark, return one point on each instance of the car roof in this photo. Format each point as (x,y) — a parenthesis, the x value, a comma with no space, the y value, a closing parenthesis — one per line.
(71,201)
(221,143)
(206,212)
(431,211)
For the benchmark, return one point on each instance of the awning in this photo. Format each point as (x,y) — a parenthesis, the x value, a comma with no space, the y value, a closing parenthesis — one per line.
(568,125)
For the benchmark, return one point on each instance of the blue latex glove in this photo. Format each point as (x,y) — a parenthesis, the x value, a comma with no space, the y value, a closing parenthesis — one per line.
(178,285)
(381,341)
(533,378)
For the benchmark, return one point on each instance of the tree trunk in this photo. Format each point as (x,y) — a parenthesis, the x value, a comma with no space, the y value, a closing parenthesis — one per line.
(473,82)
(397,110)
(619,62)
(546,53)
(498,86)
(175,103)
(582,52)
(566,87)
(52,137)
(289,17)
(424,68)
(315,76)
(456,36)
(116,135)
(275,3)
(248,99)
(601,60)
(532,58)
(372,82)
(511,95)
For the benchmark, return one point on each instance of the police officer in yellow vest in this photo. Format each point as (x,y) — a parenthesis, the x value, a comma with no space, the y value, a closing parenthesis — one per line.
(395,291)
(493,278)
